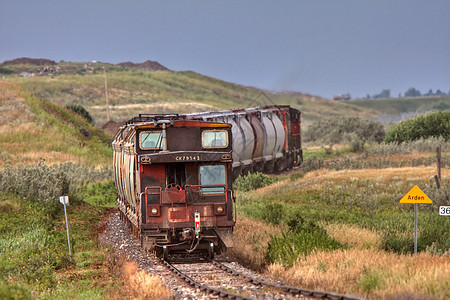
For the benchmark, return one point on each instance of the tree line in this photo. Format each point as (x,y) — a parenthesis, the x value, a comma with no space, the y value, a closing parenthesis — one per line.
(386,93)
(410,93)
(357,132)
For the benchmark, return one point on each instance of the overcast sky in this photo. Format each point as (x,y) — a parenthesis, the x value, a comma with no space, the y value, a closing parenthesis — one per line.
(318,47)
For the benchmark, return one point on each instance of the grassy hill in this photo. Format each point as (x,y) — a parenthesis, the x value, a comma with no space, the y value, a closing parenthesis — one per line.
(396,109)
(152,88)
(32,129)
(132,91)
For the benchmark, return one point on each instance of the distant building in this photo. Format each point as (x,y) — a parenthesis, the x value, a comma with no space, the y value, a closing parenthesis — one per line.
(341,97)
(26,74)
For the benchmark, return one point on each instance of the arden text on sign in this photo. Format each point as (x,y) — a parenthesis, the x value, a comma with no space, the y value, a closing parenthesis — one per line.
(415,195)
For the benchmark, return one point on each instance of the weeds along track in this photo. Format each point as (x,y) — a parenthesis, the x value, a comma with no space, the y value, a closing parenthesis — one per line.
(221,279)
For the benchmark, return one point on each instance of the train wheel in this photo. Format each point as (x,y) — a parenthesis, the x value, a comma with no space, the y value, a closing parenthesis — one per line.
(211,251)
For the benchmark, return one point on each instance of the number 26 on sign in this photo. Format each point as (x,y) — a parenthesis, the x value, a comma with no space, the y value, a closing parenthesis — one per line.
(444,210)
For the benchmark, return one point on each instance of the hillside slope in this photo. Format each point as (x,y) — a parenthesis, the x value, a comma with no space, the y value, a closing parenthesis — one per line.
(32,129)
(133,90)
(150,87)
(396,109)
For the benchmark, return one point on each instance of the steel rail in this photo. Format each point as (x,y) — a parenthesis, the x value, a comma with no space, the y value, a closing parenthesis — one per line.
(202,287)
(288,289)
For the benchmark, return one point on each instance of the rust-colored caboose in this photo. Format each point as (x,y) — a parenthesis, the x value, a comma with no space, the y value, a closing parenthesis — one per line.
(173,179)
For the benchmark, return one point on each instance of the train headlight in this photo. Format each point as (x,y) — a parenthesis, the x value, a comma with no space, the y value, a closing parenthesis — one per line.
(220,209)
(154,211)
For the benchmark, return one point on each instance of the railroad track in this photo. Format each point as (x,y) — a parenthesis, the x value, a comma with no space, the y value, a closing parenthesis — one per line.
(222,280)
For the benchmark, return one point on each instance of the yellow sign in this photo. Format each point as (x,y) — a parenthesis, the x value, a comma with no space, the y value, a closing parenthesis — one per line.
(416,195)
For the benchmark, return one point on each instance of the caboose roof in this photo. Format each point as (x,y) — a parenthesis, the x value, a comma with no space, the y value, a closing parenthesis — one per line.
(182,123)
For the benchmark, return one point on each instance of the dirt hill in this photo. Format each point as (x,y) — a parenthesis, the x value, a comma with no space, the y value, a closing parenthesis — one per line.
(28,61)
(112,127)
(148,65)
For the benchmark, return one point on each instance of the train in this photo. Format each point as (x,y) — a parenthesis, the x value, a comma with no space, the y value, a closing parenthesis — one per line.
(265,139)
(174,172)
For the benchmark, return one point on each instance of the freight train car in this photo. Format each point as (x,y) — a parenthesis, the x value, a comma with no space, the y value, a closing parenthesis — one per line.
(266,139)
(173,179)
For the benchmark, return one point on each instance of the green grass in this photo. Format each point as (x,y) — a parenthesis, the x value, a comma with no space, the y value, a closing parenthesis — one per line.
(30,250)
(100,194)
(398,106)
(34,259)
(55,130)
(371,203)
(369,206)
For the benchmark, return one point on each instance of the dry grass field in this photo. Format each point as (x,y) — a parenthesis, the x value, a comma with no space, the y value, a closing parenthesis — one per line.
(364,218)
(371,273)
(141,285)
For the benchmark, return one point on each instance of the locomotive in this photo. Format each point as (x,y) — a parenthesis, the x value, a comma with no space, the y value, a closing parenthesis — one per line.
(174,173)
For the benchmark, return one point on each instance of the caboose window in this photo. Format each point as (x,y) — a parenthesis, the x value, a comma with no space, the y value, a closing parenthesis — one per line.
(215,139)
(212,175)
(150,140)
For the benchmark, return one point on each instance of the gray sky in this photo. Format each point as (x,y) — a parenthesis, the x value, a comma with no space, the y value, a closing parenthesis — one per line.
(317,47)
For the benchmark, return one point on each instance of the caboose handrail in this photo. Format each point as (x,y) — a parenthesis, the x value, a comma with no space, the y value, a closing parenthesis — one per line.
(154,188)
(147,193)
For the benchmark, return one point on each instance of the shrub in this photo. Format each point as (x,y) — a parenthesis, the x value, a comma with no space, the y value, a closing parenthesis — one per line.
(287,248)
(303,237)
(420,145)
(273,213)
(6,71)
(312,164)
(252,181)
(371,280)
(345,130)
(435,124)
(46,183)
(79,109)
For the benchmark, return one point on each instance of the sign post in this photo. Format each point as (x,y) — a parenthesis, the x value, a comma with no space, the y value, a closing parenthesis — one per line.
(415,228)
(65,201)
(415,196)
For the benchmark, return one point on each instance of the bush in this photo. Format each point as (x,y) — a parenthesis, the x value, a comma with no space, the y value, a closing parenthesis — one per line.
(5,71)
(47,183)
(273,213)
(287,248)
(420,145)
(252,181)
(303,237)
(351,130)
(435,124)
(79,109)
